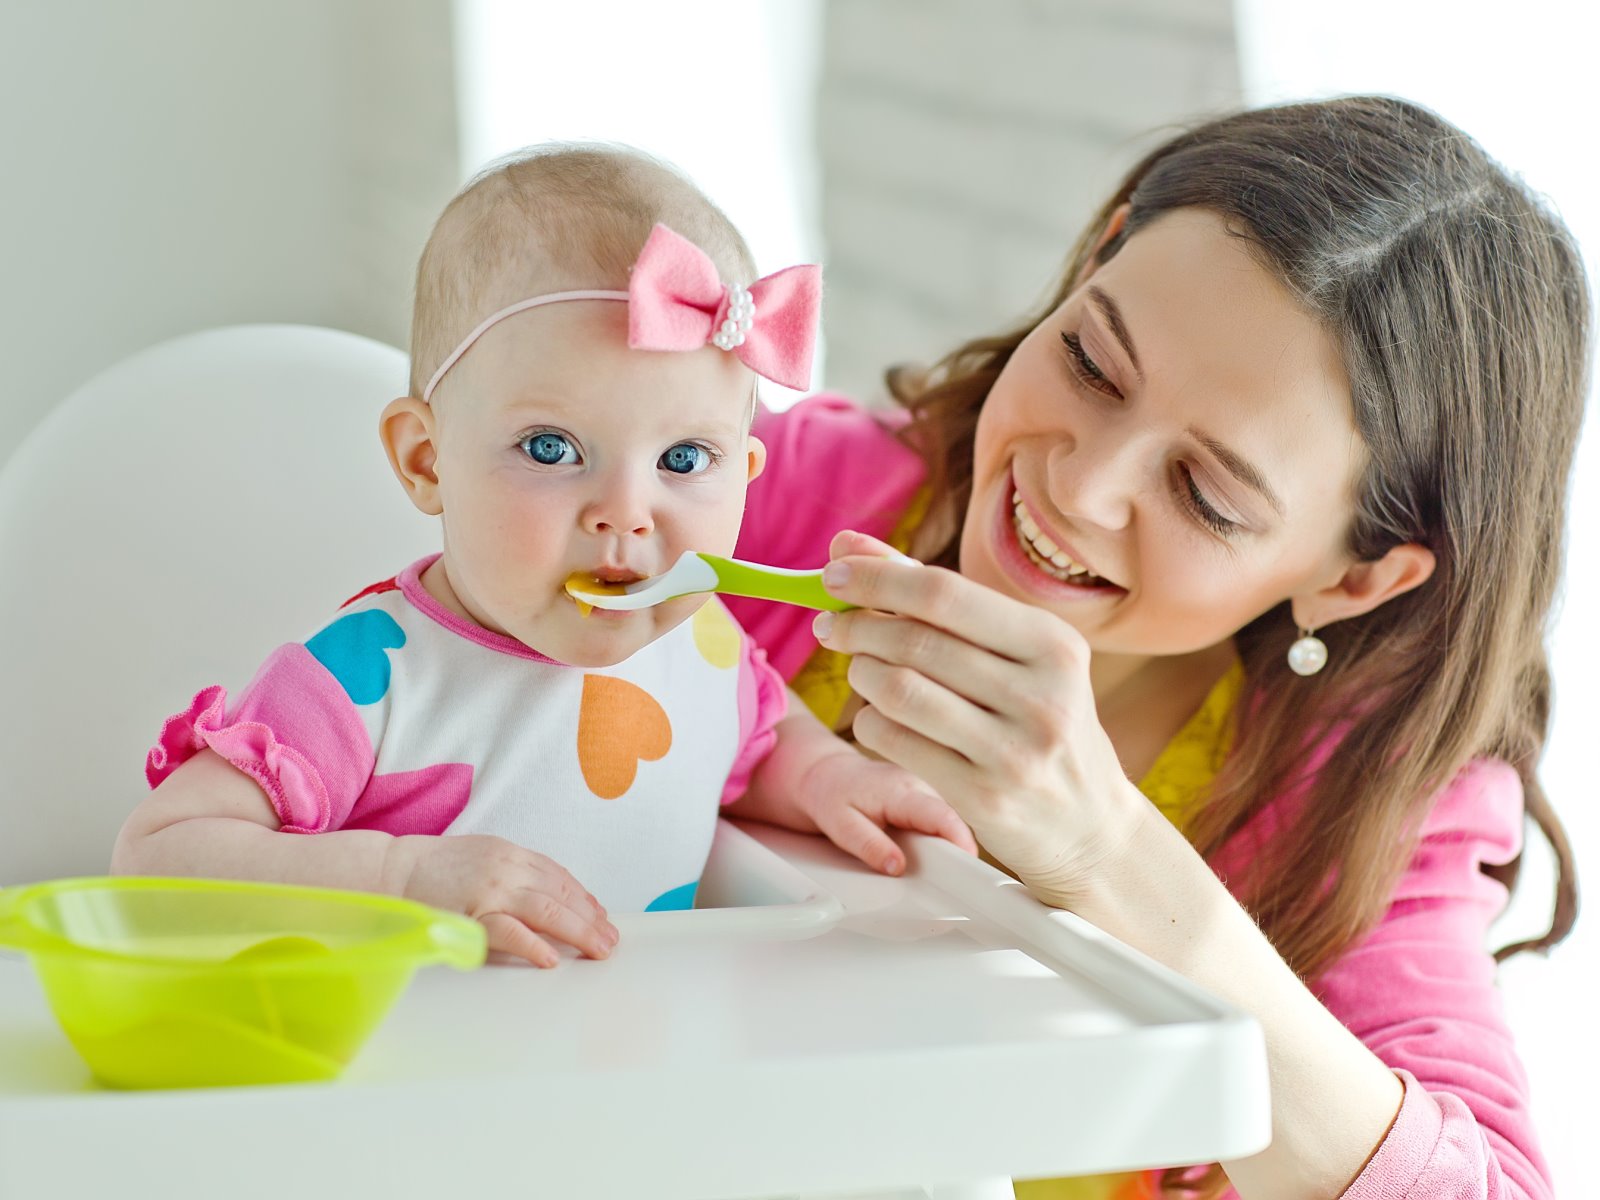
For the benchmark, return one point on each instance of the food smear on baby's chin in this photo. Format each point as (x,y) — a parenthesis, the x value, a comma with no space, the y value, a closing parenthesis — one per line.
(582,581)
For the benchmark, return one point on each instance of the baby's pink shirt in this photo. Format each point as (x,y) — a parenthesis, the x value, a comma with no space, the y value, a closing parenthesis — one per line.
(1419,990)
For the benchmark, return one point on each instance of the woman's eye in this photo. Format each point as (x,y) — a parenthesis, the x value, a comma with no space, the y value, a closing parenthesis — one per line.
(549,449)
(687,459)
(1085,368)
(1203,508)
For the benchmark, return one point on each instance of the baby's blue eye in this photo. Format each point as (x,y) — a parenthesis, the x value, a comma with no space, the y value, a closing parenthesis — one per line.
(686,459)
(549,449)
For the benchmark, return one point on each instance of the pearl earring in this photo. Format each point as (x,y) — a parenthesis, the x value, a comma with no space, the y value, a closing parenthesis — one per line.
(1308,655)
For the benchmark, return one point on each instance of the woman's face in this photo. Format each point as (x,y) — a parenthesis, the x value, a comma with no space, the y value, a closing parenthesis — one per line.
(1168,454)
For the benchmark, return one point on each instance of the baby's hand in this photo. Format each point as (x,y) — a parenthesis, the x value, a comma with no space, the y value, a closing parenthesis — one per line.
(515,893)
(852,799)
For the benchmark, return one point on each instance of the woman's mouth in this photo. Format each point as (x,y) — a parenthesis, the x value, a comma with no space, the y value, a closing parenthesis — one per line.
(1048,558)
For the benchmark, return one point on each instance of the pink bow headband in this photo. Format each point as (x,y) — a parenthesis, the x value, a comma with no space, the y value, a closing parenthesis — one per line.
(676,302)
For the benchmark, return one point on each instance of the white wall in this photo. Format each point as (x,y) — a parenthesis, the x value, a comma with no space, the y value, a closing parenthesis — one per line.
(1520,81)
(171,165)
(964,146)
(723,91)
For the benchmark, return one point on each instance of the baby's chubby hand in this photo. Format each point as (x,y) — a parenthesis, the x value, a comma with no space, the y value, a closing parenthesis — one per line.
(852,799)
(516,894)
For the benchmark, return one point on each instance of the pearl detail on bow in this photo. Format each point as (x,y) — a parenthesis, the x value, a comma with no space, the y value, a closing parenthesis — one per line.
(737,322)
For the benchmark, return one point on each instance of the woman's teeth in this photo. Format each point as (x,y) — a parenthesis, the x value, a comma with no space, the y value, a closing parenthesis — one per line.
(1045,554)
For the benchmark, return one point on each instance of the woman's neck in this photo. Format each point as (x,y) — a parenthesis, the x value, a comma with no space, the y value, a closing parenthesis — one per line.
(1143,701)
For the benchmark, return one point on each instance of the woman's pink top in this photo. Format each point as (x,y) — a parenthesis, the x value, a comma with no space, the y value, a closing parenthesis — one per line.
(1419,991)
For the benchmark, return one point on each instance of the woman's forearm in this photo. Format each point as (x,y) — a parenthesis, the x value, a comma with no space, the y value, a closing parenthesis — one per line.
(1333,1100)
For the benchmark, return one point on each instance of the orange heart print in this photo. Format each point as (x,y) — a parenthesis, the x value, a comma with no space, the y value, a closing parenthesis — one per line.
(619,725)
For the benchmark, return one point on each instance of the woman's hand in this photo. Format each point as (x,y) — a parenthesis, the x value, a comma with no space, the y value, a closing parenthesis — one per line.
(516,894)
(988,700)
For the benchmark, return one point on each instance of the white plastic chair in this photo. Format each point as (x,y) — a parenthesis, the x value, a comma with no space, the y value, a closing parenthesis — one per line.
(165,527)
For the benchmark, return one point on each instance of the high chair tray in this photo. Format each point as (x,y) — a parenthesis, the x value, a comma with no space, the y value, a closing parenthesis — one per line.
(939,1027)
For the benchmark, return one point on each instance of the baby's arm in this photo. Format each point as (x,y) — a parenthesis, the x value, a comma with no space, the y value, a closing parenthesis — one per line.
(815,782)
(208,818)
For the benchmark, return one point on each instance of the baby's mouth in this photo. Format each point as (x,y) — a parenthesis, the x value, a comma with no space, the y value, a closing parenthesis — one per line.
(602,581)
(620,576)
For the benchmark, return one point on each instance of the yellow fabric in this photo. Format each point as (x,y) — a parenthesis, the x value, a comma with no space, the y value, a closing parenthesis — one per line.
(1176,783)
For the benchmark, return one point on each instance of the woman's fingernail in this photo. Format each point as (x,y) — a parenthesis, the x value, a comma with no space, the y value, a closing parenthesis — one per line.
(822,626)
(836,574)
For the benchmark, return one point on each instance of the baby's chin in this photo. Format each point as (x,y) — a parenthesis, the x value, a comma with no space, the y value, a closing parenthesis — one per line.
(593,644)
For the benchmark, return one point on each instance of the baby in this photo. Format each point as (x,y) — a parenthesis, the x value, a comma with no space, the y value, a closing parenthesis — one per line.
(584,364)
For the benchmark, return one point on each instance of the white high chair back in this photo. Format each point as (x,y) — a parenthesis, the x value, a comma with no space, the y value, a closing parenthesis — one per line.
(165,527)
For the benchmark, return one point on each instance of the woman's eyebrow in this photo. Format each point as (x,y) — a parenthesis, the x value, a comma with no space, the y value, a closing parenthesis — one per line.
(1239,468)
(1119,328)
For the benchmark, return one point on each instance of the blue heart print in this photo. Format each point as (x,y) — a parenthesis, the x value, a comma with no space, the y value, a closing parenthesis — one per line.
(354,650)
(677,898)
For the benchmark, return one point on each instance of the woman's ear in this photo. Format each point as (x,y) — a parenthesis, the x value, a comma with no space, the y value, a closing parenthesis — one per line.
(757,451)
(408,433)
(1364,586)
(1114,225)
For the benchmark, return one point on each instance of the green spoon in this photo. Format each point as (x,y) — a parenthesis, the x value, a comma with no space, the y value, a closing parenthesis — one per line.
(695,572)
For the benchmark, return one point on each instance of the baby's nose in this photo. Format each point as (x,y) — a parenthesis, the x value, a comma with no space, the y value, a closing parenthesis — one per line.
(622,507)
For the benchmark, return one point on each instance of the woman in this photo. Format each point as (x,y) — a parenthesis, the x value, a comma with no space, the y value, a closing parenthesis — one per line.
(1262,511)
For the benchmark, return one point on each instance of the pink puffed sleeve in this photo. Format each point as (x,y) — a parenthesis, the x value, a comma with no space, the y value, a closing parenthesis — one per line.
(1420,992)
(831,465)
(293,730)
(763,701)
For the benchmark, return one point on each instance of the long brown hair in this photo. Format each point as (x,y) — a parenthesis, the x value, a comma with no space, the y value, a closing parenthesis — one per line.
(1460,306)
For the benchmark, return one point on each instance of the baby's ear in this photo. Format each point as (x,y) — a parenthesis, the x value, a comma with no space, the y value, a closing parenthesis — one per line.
(406,429)
(757,456)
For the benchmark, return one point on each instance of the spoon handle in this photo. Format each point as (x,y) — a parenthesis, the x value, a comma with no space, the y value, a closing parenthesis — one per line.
(736,578)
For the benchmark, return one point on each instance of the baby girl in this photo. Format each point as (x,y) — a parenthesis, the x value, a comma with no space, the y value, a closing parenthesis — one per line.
(584,363)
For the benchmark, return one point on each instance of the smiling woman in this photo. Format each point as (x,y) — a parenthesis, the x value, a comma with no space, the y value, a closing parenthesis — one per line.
(1164,537)
(1313,368)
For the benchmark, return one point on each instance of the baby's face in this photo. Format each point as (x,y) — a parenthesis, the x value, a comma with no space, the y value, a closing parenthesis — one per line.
(561,450)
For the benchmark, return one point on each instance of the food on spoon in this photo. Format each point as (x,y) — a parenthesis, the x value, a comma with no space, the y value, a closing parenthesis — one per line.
(582,581)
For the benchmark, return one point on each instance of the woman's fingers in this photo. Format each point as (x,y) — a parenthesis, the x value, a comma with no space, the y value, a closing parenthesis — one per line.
(909,697)
(989,681)
(945,600)
(947,772)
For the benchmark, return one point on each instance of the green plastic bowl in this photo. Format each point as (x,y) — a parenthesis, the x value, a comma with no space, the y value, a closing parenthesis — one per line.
(208,982)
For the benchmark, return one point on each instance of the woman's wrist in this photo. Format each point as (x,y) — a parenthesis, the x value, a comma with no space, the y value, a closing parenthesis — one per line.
(1104,870)
(1332,1099)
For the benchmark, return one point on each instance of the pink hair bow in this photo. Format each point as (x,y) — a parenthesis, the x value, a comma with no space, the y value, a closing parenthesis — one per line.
(676,302)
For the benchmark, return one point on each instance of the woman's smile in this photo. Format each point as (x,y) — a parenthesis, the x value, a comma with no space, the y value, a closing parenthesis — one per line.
(1032,559)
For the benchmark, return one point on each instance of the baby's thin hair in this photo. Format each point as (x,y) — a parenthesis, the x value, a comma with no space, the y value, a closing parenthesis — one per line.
(554,217)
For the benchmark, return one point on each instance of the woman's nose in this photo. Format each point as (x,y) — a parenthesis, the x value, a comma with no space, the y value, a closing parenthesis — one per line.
(1095,479)
(621,505)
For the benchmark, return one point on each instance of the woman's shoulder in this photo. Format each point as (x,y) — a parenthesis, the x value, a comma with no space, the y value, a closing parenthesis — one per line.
(1475,820)
(857,446)
(831,465)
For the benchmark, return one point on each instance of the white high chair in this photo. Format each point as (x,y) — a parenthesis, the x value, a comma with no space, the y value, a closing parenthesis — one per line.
(163,529)
(824,1029)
